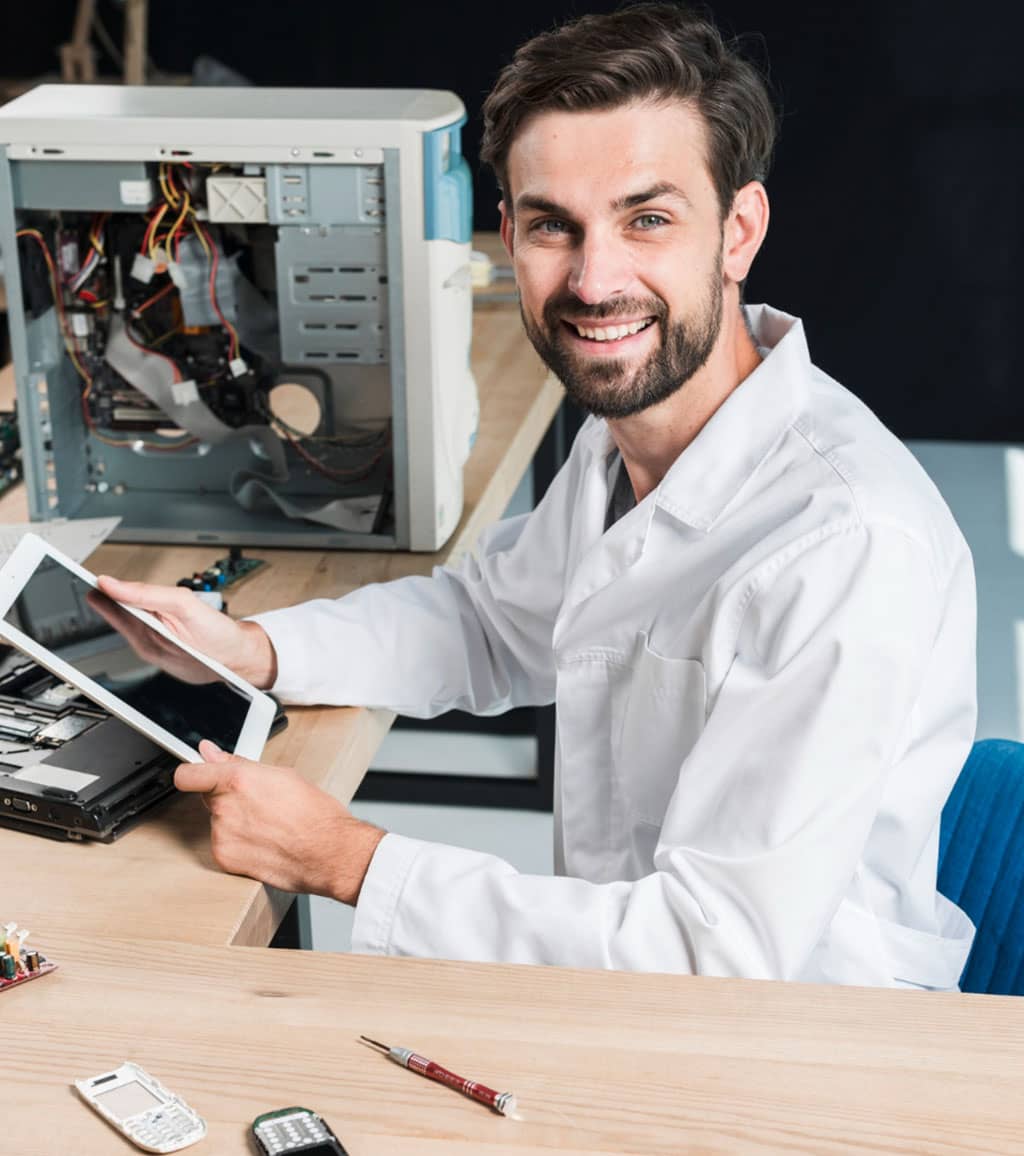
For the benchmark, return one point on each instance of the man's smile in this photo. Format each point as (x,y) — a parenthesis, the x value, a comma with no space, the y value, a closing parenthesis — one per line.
(611,337)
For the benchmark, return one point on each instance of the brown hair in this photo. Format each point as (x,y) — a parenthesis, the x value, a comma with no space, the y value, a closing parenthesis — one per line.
(643,52)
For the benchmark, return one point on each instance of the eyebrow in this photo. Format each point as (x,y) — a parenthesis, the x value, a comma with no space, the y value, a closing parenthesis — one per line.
(630,201)
(661,189)
(540,205)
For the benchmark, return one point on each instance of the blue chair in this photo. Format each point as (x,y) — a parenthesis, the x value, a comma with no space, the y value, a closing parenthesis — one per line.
(981,863)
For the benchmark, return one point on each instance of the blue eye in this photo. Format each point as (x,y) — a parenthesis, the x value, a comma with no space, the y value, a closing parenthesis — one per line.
(551,225)
(650,221)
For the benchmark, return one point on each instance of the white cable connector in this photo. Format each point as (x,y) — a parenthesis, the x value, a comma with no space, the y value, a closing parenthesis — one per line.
(184,392)
(143,268)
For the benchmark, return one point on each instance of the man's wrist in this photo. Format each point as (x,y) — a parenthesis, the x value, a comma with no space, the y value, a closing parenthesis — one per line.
(358,844)
(260,665)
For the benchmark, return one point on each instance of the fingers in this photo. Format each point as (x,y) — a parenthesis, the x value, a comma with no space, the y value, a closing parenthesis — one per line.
(111,612)
(270,824)
(148,595)
(146,643)
(203,778)
(215,776)
(212,753)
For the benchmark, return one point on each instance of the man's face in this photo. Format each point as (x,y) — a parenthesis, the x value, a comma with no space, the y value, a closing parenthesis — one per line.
(615,232)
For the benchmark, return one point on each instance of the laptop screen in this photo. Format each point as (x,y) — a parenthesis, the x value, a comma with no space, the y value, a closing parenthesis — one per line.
(125,656)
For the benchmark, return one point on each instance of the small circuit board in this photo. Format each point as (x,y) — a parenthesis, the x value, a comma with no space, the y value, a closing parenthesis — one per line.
(18,963)
(10,450)
(223,573)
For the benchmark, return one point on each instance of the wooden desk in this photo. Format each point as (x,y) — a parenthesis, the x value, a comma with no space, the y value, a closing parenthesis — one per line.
(600,1061)
(158,881)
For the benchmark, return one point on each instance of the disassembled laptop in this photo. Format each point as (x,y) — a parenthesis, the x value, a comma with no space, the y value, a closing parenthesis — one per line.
(67,768)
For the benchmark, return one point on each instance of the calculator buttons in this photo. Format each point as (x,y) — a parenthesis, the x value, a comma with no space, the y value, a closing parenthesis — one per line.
(290,1132)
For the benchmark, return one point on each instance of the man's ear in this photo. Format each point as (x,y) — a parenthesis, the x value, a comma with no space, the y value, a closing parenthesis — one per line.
(744,230)
(507,228)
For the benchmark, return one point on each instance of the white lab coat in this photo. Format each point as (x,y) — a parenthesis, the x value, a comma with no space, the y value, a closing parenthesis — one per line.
(765,689)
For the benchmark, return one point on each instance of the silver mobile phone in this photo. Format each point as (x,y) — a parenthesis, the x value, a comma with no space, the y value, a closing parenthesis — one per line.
(142,1109)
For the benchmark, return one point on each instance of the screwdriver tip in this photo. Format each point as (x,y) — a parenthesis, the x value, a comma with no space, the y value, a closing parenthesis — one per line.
(375,1044)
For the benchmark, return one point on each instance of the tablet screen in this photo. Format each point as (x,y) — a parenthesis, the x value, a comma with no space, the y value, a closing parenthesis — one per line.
(127,657)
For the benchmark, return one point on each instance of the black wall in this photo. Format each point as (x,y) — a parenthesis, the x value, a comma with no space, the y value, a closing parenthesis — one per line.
(897,191)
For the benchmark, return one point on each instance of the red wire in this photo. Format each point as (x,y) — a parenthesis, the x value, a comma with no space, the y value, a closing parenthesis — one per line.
(156,297)
(214,262)
(154,220)
(154,353)
(145,236)
(339,475)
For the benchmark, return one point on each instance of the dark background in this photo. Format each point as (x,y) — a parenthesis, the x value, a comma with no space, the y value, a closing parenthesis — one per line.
(897,190)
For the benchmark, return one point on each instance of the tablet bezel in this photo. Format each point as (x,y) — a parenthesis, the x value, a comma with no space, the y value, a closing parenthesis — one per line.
(16,572)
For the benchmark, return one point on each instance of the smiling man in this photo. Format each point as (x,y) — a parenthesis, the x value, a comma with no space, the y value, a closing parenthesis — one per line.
(753,610)
(628,266)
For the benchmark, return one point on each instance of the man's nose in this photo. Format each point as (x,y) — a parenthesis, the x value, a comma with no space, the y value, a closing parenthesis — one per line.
(601,269)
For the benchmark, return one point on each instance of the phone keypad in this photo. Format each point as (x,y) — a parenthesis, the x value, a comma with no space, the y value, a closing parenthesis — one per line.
(165,1130)
(287,1133)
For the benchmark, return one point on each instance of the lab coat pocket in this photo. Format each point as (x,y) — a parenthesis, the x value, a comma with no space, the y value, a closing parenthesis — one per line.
(662,716)
(926,960)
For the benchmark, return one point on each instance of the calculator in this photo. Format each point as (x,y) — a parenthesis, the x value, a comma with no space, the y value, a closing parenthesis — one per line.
(295,1130)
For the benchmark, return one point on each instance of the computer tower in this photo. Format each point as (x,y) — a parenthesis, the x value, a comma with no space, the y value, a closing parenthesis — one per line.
(241,315)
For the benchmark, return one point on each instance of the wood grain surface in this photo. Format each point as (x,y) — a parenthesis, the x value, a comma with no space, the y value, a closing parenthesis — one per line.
(600,1061)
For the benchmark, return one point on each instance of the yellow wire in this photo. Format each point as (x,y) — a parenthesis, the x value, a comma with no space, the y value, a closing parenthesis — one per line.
(95,234)
(152,237)
(202,240)
(160,340)
(169,196)
(175,227)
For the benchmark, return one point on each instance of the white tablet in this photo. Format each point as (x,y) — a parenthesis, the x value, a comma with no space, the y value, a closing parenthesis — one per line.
(124,660)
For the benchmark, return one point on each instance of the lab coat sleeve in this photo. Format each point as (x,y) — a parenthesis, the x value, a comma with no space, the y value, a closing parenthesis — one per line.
(476,637)
(833,641)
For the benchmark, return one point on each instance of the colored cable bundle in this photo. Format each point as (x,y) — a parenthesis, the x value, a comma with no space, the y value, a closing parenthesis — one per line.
(58,301)
(181,201)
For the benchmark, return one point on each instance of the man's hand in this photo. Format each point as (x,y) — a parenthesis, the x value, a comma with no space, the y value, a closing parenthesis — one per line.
(151,647)
(270,824)
(240,646)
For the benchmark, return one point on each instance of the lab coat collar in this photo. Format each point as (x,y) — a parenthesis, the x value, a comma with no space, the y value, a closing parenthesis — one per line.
(710,472)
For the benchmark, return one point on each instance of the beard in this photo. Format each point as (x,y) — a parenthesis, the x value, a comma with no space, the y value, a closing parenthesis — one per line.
(610,388)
